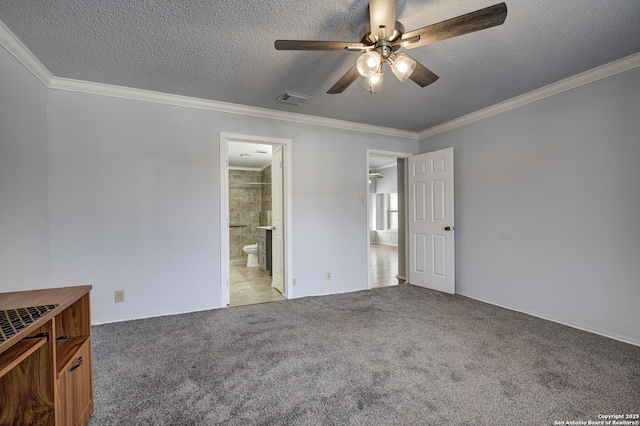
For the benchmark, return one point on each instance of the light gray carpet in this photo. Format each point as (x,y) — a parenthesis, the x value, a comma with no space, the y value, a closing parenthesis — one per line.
(397,355)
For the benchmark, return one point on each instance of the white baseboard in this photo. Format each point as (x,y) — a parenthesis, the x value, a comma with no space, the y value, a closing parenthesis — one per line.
(331,293)
(111,321)
(537,315)
(384,244)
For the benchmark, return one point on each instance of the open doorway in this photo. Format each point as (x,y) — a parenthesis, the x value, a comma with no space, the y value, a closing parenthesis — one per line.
(254,185)
(386,207)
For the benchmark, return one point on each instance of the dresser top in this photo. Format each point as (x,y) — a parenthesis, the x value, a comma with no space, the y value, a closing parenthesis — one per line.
(63,297)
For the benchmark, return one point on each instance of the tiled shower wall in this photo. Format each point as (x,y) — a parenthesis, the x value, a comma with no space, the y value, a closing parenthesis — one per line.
(247,201)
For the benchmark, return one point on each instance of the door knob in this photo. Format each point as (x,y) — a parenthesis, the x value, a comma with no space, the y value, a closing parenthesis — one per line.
(448,228)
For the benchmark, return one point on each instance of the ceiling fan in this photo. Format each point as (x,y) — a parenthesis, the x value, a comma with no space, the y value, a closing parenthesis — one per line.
(383,37)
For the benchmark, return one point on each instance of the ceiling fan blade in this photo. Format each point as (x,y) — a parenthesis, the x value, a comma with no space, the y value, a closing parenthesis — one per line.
(421,75)
(346,80)
(479,20)
(317,45)
(382,12)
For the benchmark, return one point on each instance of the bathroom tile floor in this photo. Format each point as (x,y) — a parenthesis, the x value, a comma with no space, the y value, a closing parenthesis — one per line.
(250,286)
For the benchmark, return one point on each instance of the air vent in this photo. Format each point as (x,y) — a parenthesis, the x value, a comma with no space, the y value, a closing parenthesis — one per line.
(293,98)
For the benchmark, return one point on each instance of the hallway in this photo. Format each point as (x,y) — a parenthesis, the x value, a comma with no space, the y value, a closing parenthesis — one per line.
(383,265)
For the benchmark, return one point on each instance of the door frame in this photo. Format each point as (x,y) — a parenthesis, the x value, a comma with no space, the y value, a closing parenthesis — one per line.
(396,154)
(225,138)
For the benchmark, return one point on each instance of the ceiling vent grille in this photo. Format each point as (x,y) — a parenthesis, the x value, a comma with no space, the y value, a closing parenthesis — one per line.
(293,98)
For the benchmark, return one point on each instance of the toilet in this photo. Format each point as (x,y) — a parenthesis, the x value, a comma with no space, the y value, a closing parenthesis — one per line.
(252,251)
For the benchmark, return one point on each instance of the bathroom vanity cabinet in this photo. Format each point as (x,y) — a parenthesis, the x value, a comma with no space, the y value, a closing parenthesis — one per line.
(46,375)
(264,249)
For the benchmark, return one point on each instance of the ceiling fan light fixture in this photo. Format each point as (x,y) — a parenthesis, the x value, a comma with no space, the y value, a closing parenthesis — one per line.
(374,83)
(384,35)
(402,67)
(368,63)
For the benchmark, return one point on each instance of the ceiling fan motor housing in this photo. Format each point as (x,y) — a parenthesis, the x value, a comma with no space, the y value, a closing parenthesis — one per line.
(369,39)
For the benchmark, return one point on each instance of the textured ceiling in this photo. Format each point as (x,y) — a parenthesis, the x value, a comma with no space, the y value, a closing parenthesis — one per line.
(223,50)
(248,154)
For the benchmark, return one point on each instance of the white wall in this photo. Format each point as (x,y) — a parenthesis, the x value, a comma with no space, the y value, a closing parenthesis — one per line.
(548,206)
(24,241)
(135,202)
(329,176)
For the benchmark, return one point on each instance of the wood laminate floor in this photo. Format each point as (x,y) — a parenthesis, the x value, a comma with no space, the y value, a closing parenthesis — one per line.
(249,286)
(383,265)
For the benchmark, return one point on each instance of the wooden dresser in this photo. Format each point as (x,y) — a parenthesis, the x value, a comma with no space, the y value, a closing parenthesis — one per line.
(46,375)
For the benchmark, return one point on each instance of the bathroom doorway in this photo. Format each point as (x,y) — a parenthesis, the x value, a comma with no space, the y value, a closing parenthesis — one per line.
(386,218)
(254,189)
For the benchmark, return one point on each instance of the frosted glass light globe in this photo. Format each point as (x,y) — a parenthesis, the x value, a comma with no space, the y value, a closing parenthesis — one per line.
(368,63)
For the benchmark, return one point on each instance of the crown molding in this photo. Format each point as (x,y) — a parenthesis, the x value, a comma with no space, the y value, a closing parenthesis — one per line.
(603,71)
(22,54)
(18,50)
(59,83)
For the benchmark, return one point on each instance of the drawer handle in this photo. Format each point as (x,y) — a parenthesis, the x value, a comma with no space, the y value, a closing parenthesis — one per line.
(78,364)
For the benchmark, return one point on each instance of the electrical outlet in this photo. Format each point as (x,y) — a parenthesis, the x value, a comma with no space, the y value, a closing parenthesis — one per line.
(362,199)
(328,275)
(294,281)
(119,296)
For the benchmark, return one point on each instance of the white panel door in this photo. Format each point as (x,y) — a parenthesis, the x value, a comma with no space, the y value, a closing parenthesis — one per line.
(277,213)
(431,236)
